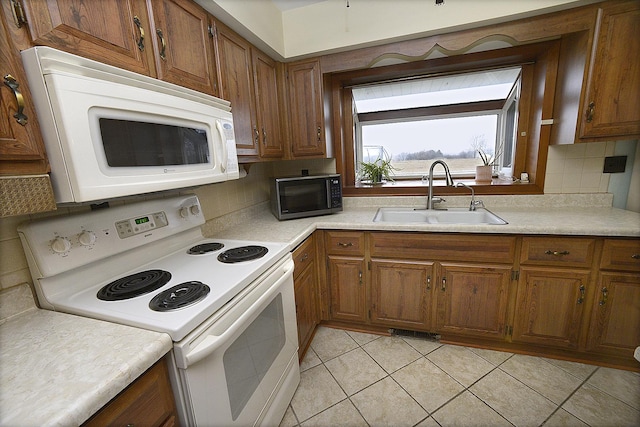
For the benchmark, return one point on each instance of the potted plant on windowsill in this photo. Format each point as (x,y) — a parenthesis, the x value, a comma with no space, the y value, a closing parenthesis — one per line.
(484,171)
(375,172)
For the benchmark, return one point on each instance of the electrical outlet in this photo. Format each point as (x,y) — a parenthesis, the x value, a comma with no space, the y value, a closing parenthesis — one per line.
(615,164)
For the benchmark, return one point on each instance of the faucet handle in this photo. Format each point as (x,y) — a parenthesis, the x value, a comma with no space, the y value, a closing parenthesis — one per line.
(437,200)
(477,204)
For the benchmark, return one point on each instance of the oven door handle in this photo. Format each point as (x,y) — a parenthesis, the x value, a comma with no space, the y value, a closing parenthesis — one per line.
(212,342)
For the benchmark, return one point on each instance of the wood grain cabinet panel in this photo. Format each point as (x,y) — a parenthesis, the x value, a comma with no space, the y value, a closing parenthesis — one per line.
(558,251)
(621,255)
(148,401)
(344,242)
(347,288)
(611,105)
(401,293)
(305,278)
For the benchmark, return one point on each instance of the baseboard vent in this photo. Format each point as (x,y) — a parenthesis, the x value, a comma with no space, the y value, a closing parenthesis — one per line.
(415,334)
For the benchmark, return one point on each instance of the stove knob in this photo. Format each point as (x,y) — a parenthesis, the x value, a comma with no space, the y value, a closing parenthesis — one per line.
(87,238)
(60,245)
(195,209)
(184,212)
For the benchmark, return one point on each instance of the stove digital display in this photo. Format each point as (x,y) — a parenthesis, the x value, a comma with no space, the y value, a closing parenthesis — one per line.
(142,220)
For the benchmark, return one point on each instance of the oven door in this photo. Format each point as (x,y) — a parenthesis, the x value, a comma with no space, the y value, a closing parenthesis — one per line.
(241,367)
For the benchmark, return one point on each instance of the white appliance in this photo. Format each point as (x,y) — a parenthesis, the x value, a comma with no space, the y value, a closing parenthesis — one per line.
(109,132)
(228,305)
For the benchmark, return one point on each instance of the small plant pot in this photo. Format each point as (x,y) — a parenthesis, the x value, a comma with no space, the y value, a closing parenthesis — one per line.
(483,173)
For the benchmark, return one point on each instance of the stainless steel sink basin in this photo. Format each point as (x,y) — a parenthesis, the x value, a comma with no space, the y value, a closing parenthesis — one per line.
(433,216)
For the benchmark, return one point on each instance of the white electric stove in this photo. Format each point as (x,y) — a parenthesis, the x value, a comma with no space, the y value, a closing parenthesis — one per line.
(148,265)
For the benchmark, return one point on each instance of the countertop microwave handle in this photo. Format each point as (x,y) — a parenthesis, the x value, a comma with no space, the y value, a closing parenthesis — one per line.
(212,342)
(223,140)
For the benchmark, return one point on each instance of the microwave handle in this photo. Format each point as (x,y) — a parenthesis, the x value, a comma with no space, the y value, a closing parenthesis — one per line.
(223,140)
(212,342)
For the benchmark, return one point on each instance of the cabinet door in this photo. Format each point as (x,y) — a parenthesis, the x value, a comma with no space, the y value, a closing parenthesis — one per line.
(115,32)
(236,85)
(550,306)
(613,82)
(306,311)
(472,299)
(183,45)
(401,293)
(306,109)
(615,319)
(265,77)
(21,146)
(347,288)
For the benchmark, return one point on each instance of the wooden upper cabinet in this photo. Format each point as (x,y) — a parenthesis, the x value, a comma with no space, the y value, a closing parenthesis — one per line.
(306,109)
(611,104)
(236,85)
(115,32)
(183,44)
(21,145)
(265,79)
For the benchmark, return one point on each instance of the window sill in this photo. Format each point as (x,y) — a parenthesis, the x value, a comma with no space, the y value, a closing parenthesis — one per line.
(418,187)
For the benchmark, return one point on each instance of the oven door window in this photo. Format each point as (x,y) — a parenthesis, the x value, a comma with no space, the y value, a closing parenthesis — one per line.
(129,143)
(251,355)
(303,196)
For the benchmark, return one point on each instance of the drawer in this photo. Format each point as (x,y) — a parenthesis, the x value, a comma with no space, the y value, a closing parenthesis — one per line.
(559,251)
(344,242)
(304,255)
(447,247)
(621,255)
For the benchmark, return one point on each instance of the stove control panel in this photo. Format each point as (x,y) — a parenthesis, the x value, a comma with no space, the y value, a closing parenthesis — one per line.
(132,226)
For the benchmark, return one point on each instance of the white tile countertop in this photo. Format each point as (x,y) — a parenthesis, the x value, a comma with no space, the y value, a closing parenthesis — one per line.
(57,369)
(578,215)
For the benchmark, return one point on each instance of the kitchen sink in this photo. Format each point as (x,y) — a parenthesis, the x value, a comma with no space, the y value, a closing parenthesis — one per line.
(438,216)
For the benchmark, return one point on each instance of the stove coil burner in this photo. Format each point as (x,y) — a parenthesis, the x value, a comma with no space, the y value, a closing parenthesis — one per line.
(204,248)
(134,285)
(242,253)
(179,296)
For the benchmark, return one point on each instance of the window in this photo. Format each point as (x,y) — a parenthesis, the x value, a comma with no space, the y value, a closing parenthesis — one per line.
(452,117)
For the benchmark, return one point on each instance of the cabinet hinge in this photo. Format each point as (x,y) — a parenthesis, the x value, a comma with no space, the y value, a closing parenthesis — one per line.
(18,13)
(515,275)
(369,314)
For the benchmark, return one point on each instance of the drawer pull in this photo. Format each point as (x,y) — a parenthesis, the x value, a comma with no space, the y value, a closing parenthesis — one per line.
(635,256)
(345,245)
(581,298)
(556,253)
(304,257)
(12,84)
(605,296)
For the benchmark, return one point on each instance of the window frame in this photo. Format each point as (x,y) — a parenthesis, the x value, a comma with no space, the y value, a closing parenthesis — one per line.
(539,62)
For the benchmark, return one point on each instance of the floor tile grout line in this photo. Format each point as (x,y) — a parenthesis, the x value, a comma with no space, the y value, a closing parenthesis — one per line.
(570,396)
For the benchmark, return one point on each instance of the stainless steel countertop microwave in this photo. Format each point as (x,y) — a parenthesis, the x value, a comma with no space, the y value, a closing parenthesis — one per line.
(305,196)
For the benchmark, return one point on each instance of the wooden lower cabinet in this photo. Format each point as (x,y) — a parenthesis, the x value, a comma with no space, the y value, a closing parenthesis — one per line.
(472,299)
(148,401)
(305,283)
(401,293)
(549,305)
(347,288)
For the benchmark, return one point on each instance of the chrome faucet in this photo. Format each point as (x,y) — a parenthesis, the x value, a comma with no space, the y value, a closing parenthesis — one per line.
(430,199)
(474,203)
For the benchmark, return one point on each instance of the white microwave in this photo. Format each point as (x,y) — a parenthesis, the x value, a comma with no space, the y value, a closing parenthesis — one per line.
(111,133)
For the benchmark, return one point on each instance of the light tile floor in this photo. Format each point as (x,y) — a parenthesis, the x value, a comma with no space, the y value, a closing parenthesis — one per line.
(356,379)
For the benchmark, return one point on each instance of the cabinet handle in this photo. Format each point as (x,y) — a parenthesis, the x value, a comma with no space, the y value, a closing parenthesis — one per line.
(18,13)
(264,137)
(581,298)
(319,133)
(163,43)
(635,256)
(360,277)
(556,253)
(304,257)
(444,284)
(256,135)
(590,111)
(345,245)
(428,282)
(140,41)
(12,83)
(605,295)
